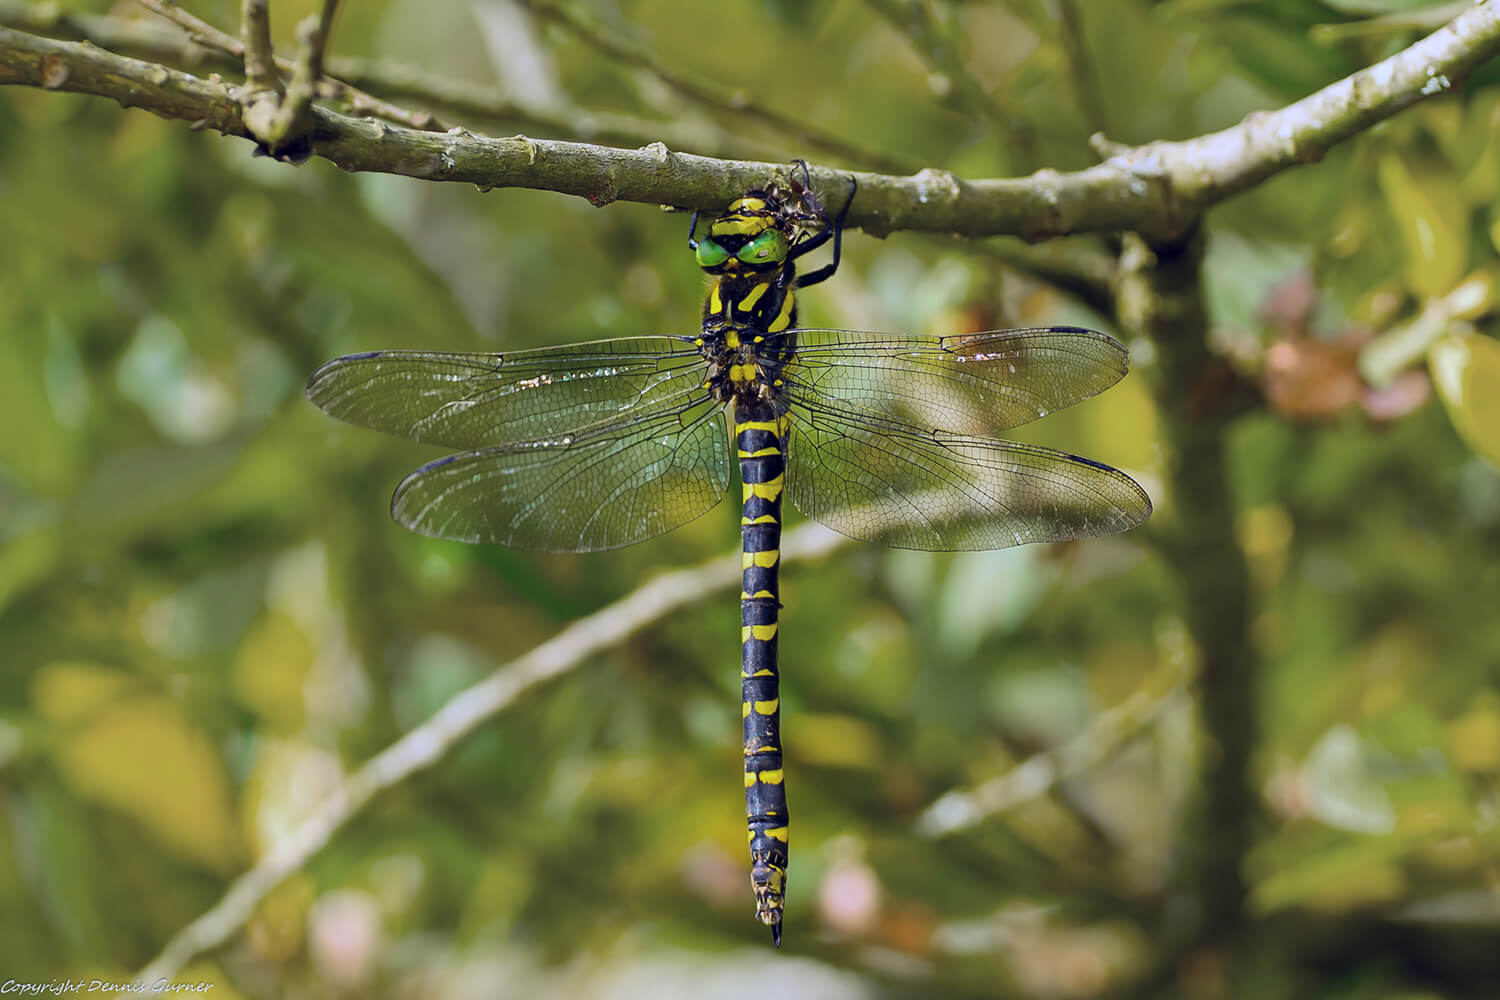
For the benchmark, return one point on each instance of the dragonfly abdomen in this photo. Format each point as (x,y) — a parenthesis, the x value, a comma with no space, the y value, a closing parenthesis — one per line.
(761,448)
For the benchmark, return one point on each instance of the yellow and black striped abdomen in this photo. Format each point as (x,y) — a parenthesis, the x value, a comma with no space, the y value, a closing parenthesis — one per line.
(760,443)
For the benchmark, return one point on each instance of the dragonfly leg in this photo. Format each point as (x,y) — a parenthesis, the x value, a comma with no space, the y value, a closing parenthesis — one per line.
(831,228)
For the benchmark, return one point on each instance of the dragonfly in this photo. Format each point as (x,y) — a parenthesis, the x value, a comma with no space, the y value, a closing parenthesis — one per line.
(884,437)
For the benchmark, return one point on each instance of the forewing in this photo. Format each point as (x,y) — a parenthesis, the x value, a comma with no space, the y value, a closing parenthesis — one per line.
(877,481)
(485,400)
(968,384)
(584,493)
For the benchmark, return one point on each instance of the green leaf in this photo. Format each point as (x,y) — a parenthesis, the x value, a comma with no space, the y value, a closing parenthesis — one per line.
(1466,371)
(142,757)
(1434,224)
(1478,152)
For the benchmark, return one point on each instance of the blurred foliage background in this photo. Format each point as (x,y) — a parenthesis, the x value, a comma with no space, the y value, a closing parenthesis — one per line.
(206,616)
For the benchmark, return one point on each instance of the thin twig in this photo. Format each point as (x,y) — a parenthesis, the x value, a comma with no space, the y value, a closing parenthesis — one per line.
(937,44)
(198,30)
(1042,772)
(1421,19)
(1391,353)
(313,34)
(261,96)
(1072,266)
(293,117)
(1086,88)
(255,36)
(735,104)
(131,36)
(430,741)
(482,104)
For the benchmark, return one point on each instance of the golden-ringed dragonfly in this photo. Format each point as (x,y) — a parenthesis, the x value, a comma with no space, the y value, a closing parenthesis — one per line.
(884,437)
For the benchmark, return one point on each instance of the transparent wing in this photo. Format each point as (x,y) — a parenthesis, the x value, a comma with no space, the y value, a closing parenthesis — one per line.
(973,383)
(484,400)
(879,481)
(613,486)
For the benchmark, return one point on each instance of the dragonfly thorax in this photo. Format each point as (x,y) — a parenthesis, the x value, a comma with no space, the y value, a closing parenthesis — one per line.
(762,302)
(744,341)
(745,364)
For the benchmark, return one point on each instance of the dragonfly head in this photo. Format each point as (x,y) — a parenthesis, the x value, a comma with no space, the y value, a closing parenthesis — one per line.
(754,234)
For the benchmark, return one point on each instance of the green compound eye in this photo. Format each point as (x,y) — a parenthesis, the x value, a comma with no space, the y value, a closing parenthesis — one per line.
(710,254)
(767,248)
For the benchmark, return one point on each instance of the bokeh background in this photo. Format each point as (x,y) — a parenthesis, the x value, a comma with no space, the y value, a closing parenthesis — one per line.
(207,618)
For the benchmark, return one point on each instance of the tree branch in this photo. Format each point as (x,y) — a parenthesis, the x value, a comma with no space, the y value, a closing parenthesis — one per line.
(466,711)
(1160,296)
(1158,189)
